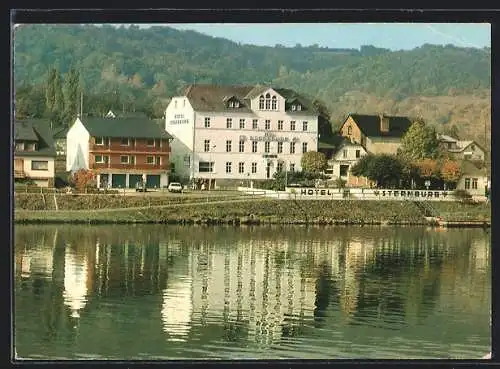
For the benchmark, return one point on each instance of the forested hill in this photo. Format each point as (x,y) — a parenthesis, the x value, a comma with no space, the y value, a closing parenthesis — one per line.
(159,61)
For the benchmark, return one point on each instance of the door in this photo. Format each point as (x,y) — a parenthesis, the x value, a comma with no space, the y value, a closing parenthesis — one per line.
(268,170)
(133,179)
(153,181)
(118,181)
(18,167)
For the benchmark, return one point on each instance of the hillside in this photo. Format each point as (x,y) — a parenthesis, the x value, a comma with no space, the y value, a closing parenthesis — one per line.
(446,85)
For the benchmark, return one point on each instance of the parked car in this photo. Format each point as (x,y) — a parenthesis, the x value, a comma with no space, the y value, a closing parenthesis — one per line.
(140,187)
(174,187)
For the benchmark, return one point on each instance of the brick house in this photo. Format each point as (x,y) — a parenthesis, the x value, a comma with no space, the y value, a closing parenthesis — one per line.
(378,134)
(34,152)
(122,152)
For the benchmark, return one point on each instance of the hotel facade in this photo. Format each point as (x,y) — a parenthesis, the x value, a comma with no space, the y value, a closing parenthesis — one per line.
(233,134)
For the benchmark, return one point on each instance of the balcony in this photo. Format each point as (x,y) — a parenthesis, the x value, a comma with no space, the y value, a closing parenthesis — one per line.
(143,167)
(137,149)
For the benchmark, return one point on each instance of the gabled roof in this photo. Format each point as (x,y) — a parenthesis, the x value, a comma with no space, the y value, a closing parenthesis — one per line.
(60,133)
(370,125)
(446,138)
(469,168)
(124,127)
(213,97)
(37,130)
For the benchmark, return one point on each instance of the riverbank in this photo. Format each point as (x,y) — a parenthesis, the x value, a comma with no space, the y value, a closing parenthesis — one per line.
(236,209)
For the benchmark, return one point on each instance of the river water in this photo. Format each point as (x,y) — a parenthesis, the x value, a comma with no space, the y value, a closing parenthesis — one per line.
(156,292)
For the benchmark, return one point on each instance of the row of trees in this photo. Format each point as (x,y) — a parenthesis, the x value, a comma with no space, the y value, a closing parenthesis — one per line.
(62,95)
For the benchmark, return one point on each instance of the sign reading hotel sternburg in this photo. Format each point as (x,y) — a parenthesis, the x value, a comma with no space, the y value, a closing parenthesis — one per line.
(269,136)
(414,194)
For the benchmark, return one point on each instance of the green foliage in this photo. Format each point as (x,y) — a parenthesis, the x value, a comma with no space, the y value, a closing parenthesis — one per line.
(313,161)
(419,142)
(386,170)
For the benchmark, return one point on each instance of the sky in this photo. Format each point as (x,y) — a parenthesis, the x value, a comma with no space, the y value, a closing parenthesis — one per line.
(394,36)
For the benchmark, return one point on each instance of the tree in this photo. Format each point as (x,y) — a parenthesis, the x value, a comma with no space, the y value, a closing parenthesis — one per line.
(50,91)
(82,179)
(419,142)
(428,168)
(313,161)
(451,172)
(384,169)
(71,95)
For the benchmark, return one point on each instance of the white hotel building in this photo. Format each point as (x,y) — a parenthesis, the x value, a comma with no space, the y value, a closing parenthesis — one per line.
(236,133)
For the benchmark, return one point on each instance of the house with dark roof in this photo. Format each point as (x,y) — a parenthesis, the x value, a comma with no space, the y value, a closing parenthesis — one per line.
(230,135)
(378,134)
(34,152)
(122,152)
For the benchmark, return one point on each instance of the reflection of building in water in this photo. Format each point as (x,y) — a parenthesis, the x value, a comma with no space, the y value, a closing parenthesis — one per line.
(75,281)
(253,284)
(480,253)
(177,304)
(35,258)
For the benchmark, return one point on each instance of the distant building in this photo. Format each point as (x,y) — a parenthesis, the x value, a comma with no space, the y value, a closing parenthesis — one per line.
(460,149)
(122,152)
(59,136)
(237,133)
(473,180)
(378,134)
(344,157)
(34,152)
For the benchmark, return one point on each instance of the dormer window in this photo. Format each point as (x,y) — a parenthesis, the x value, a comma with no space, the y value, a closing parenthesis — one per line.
(294,107)
(299,107)
(20,146)
(274,103)
(268,101)
(261,102)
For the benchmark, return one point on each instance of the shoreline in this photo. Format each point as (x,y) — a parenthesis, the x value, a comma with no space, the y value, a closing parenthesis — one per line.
(255,211)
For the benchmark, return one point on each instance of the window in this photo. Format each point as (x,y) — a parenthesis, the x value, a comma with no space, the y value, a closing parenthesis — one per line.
(124,159)
(20,146)
(242,123)
(228,146)
(205,167)
(299,107)
(304,126)
(158,160)
(304,147)
(228,167)
(280,147)
(292,147)
(31,147)
(349,130)
(187,161)
(280,125)
(467,183)
(241,167)
(255,124)
(344,153)
(231,104)
(294,107)
(472,147)
(207,122)
(474,183)
(254,167)
(39,165)
(358,154)
(292,167)
(150,142)
(99,159)
(261,102)
(267,146)
(274,103)
(99,141)
(150,160)
(236,104)
(267,124)
(125,142)
(229,123)
(279,168)
(132,160)
(268,101)
(343,170)
(292,125)
(254,146)
(241,146)
(206,145)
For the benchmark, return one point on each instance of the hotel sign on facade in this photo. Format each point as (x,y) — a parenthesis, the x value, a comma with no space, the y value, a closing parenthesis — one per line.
(269,136)
(370,194)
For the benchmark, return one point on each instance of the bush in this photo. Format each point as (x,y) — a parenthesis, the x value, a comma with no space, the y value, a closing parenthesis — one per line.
(463,196)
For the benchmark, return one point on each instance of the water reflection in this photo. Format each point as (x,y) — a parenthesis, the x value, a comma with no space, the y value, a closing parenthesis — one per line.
(211,289)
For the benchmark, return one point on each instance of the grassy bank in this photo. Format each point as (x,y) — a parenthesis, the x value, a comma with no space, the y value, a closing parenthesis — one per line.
(248,211)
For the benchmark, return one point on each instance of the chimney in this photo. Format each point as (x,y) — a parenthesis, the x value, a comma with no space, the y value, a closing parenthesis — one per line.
(384,123)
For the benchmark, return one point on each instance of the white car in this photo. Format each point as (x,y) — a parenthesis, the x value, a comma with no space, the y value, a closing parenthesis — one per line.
(174,187)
